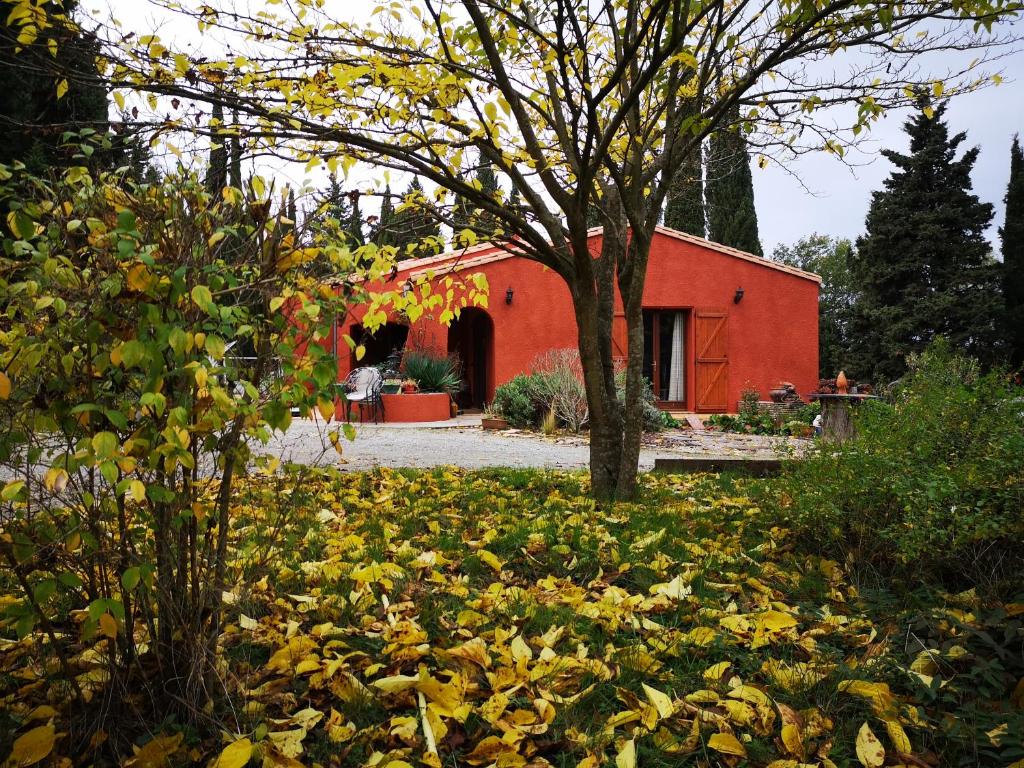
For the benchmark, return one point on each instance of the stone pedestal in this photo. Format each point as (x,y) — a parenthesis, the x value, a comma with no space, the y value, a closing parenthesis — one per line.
(837,416)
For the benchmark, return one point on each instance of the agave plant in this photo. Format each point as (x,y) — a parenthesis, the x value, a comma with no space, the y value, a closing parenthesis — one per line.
(432,373)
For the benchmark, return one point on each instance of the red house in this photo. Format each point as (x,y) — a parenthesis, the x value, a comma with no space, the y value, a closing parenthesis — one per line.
(716,321)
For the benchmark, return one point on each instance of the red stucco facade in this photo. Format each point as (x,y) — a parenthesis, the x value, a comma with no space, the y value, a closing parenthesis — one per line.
(770,335)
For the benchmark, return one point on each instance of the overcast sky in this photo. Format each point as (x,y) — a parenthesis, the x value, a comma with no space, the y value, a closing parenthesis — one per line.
(841,195)
(836,197)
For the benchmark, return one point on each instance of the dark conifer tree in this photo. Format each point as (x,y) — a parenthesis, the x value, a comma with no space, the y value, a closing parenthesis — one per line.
(729,189)
(383,231)
(235,155)
(1011,235)
(354,223)
(464,216)
(461,215)
(293,211)
(923,267)
(33,119)
(217,172)
(684,209)
(415,230)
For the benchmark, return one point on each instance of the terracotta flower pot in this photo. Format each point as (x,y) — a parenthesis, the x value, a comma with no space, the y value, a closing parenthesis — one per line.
(493,422)
(842,383)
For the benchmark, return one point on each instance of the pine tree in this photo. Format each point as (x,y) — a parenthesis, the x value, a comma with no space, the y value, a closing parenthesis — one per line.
(1011,235)
(217,172)
(33,118)
(414,229)
(354,223)
(731,216)
(923,267)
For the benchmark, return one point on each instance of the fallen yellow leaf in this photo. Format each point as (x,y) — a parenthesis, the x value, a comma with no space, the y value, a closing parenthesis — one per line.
(626,758)
(869,749)
(727,744)
(235,755)
(31,747)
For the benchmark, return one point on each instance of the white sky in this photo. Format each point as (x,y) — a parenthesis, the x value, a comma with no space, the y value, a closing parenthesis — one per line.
(836,197)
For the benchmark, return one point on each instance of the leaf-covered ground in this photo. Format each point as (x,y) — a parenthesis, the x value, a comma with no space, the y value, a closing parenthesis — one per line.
(501,618)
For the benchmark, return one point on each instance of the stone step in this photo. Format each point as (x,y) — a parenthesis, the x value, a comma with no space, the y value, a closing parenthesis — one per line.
(743,465)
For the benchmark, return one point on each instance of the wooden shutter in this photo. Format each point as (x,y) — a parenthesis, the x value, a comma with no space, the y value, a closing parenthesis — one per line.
(711,336)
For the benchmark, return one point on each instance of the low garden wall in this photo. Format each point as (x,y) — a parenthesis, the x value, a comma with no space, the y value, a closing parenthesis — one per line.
(419,406)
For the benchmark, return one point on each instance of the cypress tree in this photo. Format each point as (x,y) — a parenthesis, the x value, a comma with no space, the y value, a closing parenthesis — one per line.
(731,216)
(293,211)
(486,224)
(684,209)
(217,173)
(383,233)
(462,218)
(235,159)
(923,267)
(354,223)
(1011,235)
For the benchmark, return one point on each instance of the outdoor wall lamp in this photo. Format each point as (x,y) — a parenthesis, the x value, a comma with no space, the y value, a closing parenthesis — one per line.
(508,296)
(738,297)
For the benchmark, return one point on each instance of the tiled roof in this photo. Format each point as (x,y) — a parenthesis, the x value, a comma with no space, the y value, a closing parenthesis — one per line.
(487,253)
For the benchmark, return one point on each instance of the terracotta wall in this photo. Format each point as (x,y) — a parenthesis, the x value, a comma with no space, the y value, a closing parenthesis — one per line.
(772,332)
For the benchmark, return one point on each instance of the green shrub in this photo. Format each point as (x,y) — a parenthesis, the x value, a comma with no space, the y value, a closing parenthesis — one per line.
(654,419)
(518,403)
(747,422)
(432,373)
(931,487)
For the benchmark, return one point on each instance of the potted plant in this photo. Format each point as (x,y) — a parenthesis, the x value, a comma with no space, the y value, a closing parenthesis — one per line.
(493,420)
(408,386)
(391,386)
(432,372)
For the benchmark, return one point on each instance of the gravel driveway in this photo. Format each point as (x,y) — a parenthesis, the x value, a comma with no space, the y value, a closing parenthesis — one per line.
(466,445)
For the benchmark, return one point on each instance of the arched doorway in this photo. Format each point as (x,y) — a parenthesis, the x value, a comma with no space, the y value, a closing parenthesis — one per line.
(379,344)
(471,338)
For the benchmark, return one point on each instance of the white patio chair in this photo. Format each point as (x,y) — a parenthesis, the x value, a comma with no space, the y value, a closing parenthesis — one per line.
(362,387)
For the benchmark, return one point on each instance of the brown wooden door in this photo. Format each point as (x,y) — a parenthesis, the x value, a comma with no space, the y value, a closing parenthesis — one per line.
(711,339)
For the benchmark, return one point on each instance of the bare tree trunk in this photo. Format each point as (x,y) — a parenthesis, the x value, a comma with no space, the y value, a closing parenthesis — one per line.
(631,288)
(605,414)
